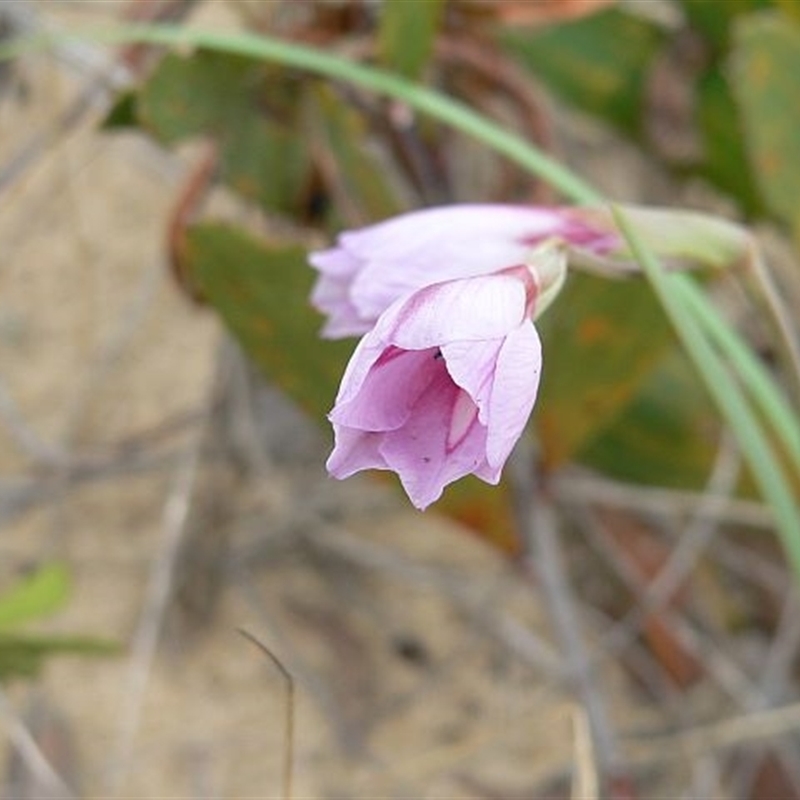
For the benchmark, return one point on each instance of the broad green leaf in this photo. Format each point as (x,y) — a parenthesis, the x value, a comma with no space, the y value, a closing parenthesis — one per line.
(23,656)
(266,163)
(714,19)
(725,158)
(407,33)
(601,341)
(598,63)
(766,65)
(251,110)
(357,177)
(36,595)
(667,436)
(791,8)
(261,292)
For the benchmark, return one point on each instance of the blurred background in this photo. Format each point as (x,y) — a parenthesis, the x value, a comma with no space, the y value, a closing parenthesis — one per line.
(162,435)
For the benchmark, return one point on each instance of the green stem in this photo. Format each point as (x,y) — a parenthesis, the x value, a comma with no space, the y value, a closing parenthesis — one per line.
(434,104)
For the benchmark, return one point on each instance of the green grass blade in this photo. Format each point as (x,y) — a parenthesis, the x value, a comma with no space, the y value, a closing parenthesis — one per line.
(762,387)
(727,395)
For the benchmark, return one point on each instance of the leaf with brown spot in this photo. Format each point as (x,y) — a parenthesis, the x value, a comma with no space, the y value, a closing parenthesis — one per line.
(766,63)
(602,339)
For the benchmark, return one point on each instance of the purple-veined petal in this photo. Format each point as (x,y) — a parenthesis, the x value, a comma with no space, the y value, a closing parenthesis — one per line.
(471,365)
(463,417)
(516,382)
(390,390)
(419,451)
(385,261)
(464,310)
(456,227)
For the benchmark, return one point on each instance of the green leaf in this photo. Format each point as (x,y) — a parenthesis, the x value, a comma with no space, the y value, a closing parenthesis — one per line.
(601,341)
(37,595)
(252,111)
(407,33)
(667,436)
(202,93)
(358,178)
(713,19)
(766,65)
(23,656)
(598,63)
(261,292)
(725,158)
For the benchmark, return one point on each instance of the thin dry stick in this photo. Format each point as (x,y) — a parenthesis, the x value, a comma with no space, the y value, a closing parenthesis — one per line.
(35,760)
(586,785)
(29,442)
(176,512)
(784,320)
(724,670)
(575,485)
(717,736)
(695,539)
(288,755)
(544,559)
(775,679)
(127,326)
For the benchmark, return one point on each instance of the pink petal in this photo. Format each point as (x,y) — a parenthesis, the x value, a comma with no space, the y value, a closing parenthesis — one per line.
(390,390)
(331,296)
(516,382)
(471,365)
(463,416)
(438,244)
(419,453)
(368,350)
(464,310)
(332,293)
(354,451)
(335,262)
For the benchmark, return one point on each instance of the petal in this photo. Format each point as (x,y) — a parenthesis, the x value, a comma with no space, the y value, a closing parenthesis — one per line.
(335,262)
(516,382)
(456,227)
(331,296)
(434,245)
(354,451)
(463,416)
(419,451)
(471,365)
(472,309)
(390,390)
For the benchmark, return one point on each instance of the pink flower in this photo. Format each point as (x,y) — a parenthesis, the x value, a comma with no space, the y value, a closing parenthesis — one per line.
(442,386)
(372,267)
